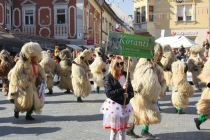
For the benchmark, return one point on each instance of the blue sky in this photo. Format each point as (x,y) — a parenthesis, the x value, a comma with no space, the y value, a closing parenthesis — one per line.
(126,6)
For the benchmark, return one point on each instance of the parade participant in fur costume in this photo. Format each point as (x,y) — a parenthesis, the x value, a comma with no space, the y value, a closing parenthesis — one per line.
(98,69)
(182,90)
(203,105)
(148,85)
(133,62)
(195,65)
(81,74)
(27,79)
(64,71)
(49,66)
(57,55)
(166,61)
(116,108)
(6,64)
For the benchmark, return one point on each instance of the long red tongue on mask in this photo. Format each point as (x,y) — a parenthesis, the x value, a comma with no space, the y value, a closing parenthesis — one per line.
(34,69)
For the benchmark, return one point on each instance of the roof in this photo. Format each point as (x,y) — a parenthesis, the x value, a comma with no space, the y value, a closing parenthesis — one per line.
(74,47)
(9,42)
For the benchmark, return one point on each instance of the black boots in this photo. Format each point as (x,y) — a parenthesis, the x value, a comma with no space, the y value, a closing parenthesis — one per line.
(79,99)
(98,89)
(197,123)
(148,135)
(29,118)
(130,132)
(50,92)
(29,113)
(180,111)
(67,91)
(16,114)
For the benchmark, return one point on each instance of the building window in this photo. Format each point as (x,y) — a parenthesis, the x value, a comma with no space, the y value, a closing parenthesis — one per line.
(106,26)
(110,27)
(143,14)
(61,16)
(188,12)
(180,13)
(138,15)
(29,17)
(88,19)
(8,16)
(184,13)
(151,12)
(103,20)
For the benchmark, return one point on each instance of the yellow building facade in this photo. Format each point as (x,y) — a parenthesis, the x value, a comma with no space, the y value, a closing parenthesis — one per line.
(173,17)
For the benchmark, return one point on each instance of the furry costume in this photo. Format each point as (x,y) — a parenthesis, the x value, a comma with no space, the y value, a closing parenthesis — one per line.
(49,66)
(182,90)
(166,61)
(64,71)
(147,85)
(6,64)
(98,68)
(203,105)
(133,63)
(24,79)
(81,74)
(195,63)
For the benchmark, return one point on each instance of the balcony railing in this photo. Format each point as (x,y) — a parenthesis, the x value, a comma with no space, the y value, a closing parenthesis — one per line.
(61,31)
(29,30)
(140,27)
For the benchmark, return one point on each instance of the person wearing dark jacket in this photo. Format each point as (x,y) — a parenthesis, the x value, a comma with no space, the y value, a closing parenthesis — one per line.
(116,108)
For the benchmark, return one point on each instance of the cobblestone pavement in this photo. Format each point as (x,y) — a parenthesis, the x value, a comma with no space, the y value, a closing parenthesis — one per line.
(65,119)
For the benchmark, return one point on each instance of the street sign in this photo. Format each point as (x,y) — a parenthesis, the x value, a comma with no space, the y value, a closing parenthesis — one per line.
(130,45)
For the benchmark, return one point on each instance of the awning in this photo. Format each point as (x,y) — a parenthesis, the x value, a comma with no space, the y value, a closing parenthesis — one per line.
(74,47)
(9,42)
(89,46)
(175,41)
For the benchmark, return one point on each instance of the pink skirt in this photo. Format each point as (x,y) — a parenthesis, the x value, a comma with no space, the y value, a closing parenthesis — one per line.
(116,116)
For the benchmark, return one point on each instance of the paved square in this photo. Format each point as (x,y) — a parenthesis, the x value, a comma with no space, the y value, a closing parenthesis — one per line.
(65,119)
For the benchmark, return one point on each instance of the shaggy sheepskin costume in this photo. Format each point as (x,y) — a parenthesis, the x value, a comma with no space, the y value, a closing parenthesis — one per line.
(81,74)
(133,63)
(24,79)
(182,90)
(203,105)
(49,66)
(6,64)
(195,64)
(64,71)
(147,88)
(98,68)
(166,61)
(148,85)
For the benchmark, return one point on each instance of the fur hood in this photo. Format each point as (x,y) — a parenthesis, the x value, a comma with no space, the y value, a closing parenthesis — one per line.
(158,50)
(196,49)
(205,74)
(32,49)
(65,54)
(85,56)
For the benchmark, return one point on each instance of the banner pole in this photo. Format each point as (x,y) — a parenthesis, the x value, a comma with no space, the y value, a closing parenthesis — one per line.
(127,76)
